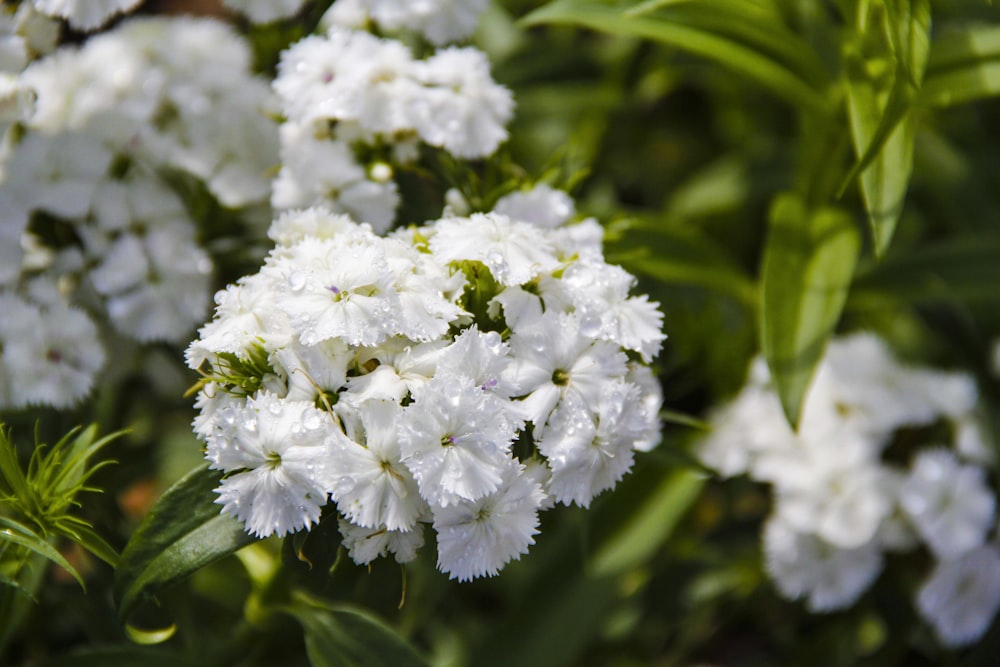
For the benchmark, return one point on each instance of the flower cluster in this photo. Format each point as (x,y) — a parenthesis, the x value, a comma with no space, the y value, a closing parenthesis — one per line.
(887,458)
(438,21)
(356,104)
(91,221)
(464,374)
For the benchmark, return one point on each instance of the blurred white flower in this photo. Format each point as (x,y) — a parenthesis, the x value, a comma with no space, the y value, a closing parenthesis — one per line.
(948,503)
(804,566)
(962,596)
(84,14)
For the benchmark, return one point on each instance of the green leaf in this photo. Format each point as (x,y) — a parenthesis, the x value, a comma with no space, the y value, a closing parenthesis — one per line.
(182,533)
(964,66)
(341,636)
(772,57)
(83,534)
(808,264)
(673,254)
(13,532)
(884,64)
(957,269)
(650,524)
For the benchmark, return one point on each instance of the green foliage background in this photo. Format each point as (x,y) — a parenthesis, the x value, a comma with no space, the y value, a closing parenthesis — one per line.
(773,171)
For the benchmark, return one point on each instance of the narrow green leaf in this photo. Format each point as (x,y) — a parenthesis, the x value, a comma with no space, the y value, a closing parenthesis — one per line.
(808,264)
(885,65)
(10,467)
(19,534)
(182,533)
(957,269)
(971,82)
(964,66)
(778,77)
(84,535)
(676,255)
(75,471)
(682,419)
(650,525)
(340,636)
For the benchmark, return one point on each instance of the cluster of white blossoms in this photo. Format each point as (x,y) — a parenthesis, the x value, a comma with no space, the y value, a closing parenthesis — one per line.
(858,480)
(90,227)
(84,15)
(357,105)
(464,374)
(438,21)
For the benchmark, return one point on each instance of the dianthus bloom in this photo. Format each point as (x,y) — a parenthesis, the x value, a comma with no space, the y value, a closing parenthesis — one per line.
(437,377)
(840,503)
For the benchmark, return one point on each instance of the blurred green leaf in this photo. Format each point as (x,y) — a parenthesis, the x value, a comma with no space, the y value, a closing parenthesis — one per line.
(650,524)
(674,254)
(808,264)
(962,268)
(964,66)
(13,532)
(728,33)
(341,636)
(884,63)
(182,533)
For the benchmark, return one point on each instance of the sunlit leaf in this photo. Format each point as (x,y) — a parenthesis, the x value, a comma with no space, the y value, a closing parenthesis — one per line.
(707,40)
(964,66)
(341,636)
(182,533)
(808,264)
(884,65)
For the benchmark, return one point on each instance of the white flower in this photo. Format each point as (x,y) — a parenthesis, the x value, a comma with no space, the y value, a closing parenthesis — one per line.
(478,537)
(85,14)
(339,288)
(156,285)
(553,360)
(245,316)
(50,355)
(461,109)
(312,370)
(440,21)
(514,252)
(542,205)
(598,293)
(371,486)
(455,439)
(366,544)
(803,565)
(950,504)
(58,173)
(832,487)
(320,171)
(279,452)
(318,222)
(348,76)
(479,358)
(590,452)
(962,596)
